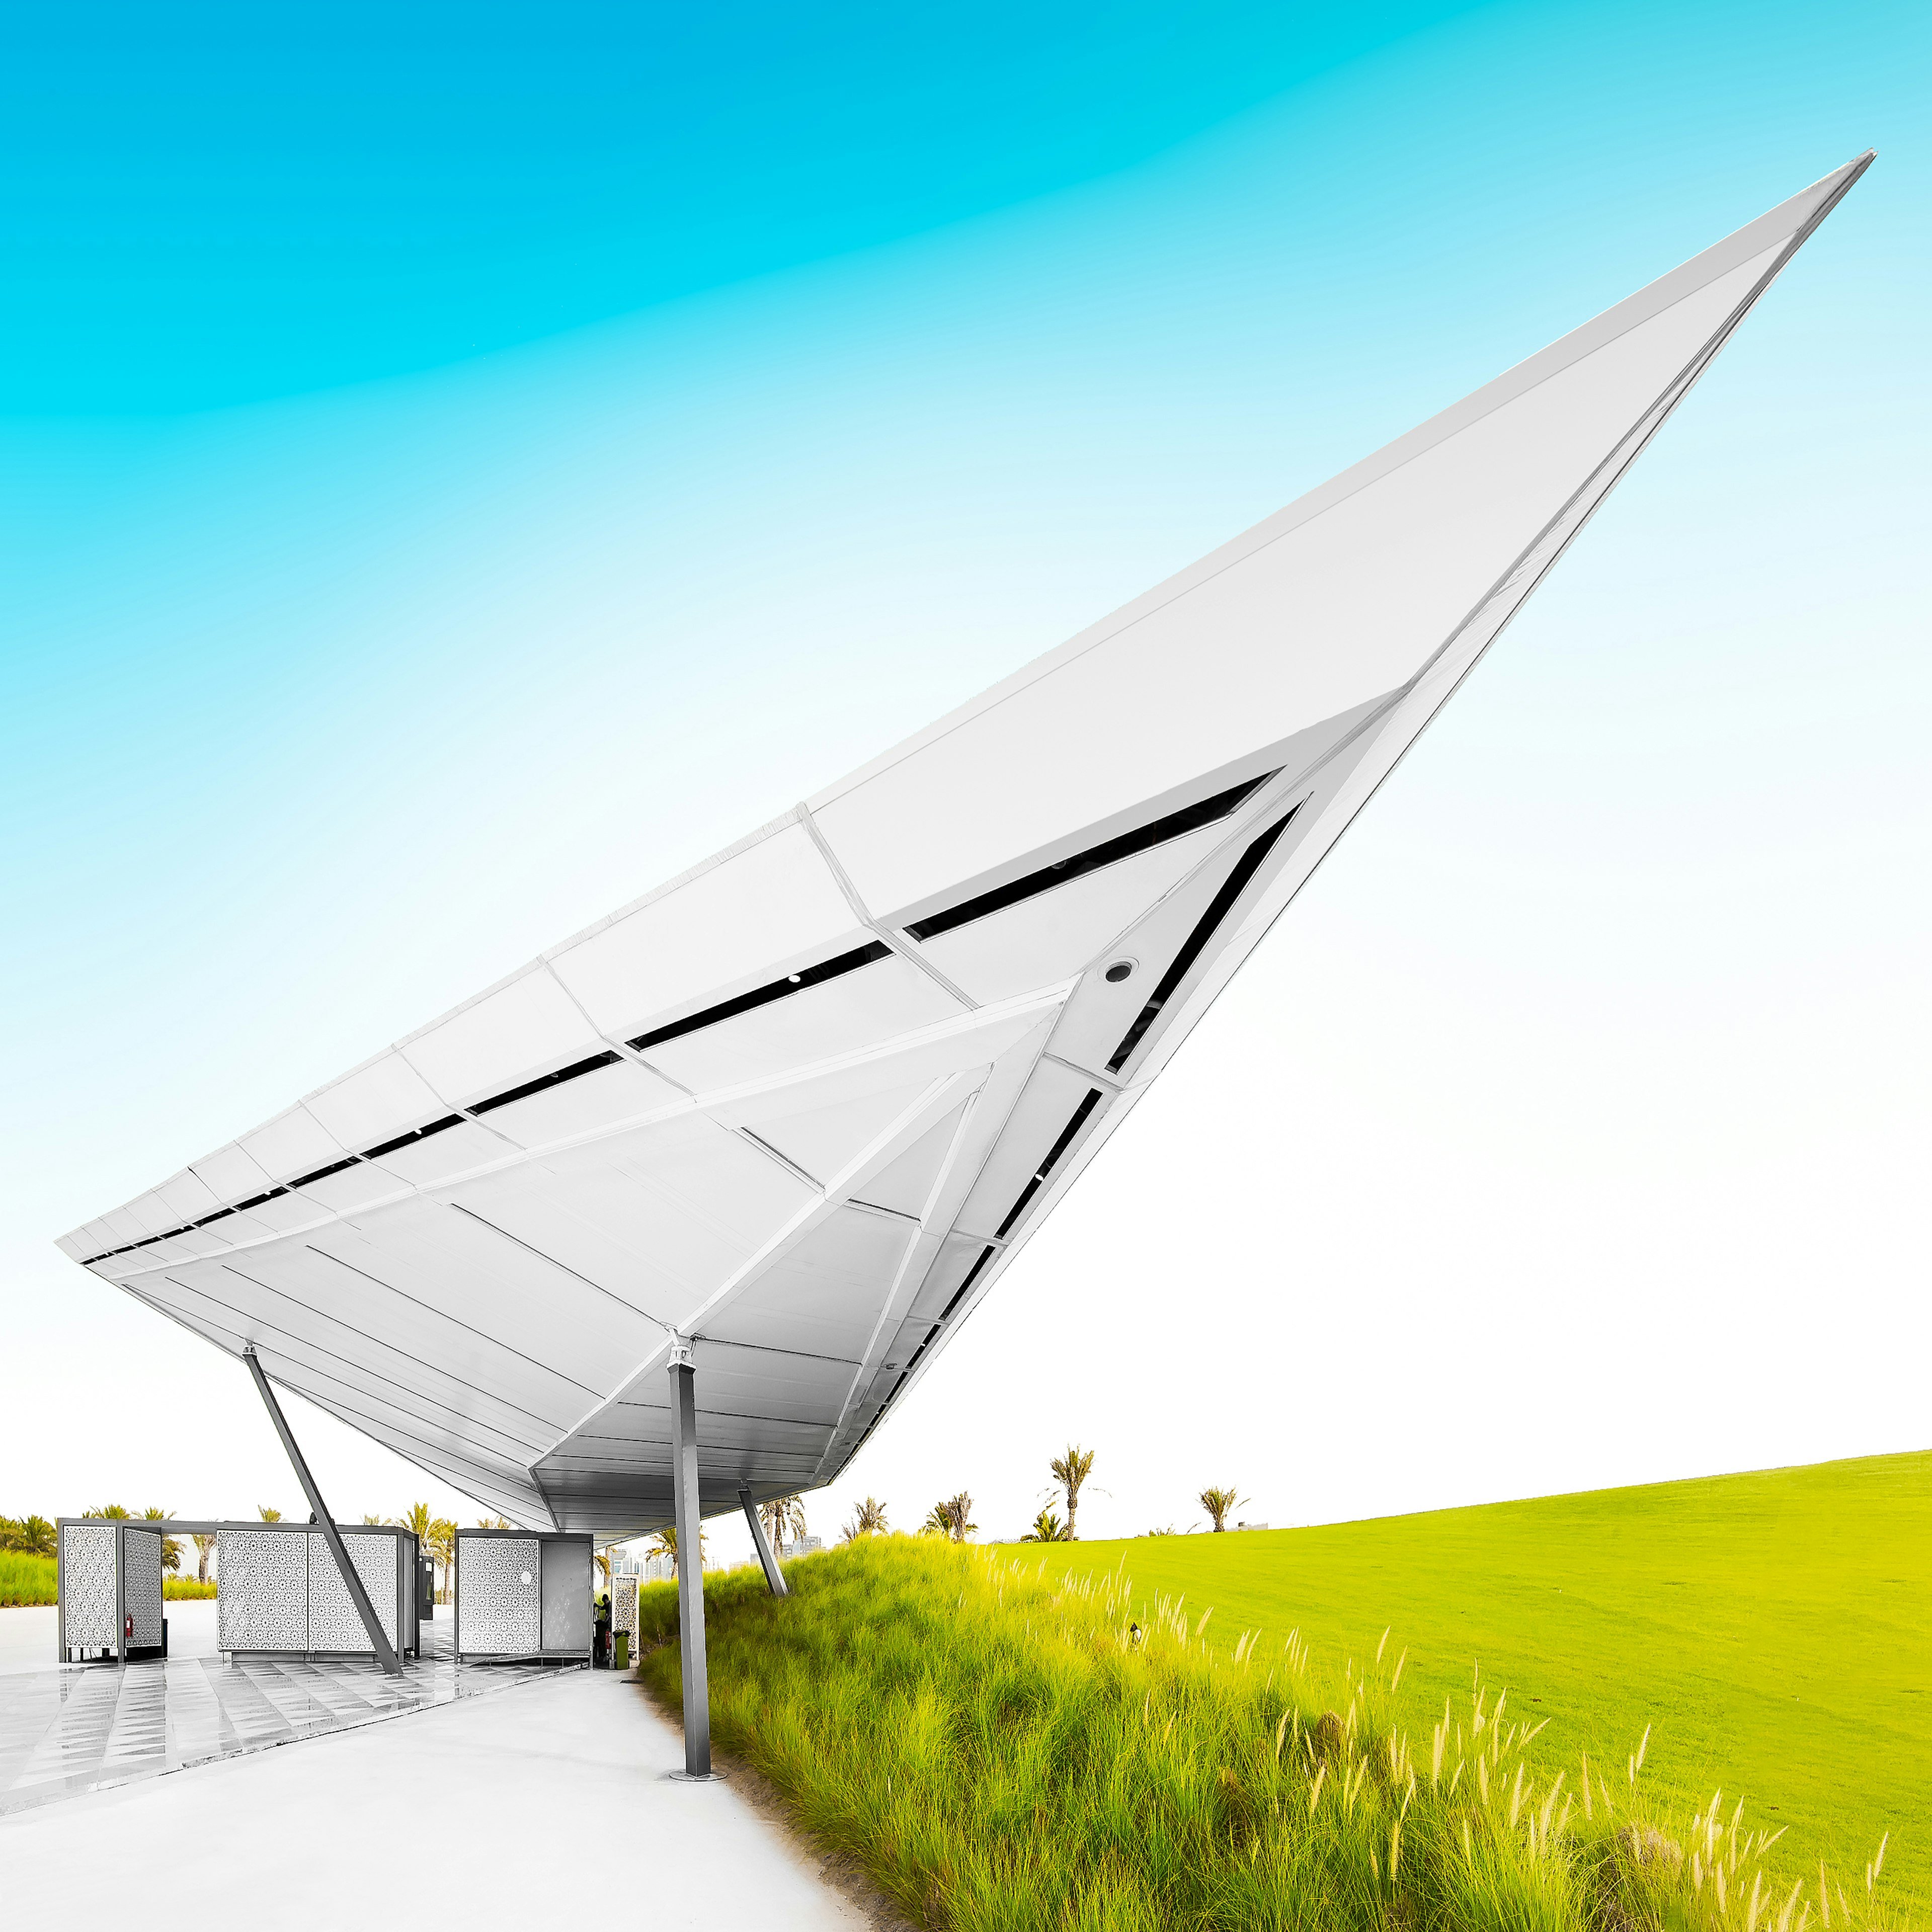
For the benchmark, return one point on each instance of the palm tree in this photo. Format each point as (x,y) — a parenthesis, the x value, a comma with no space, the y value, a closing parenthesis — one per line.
(418,1520)
(110,1513)
(171,1549)
(1069,1472)
(267,1514)
(494,1522)
(32,1534)
(867,1519)
(784,1519)
(441,1545)
(1218,1502)
(1046,1528)
(664,1543)
(204,1548)
(951,1516)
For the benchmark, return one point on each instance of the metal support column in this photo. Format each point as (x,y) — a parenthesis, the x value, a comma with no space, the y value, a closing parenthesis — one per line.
(690,1561)
(352,1580)
(774,1577)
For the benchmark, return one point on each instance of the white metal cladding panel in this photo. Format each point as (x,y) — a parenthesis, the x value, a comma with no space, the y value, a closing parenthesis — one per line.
(822,1297)
(946,1277)
(1052,1096)
(359,1292)
(584,1217)
(375,1102)
(122,1226)
(142,1588)
(530,1026)
(621,1092)
(821,1141)
(312,1352)
(205,1242)
(498,1598)
(454,1150)
(1240,650)
(1096,1019)
(905,1183)
(262,1589)
(287,1212)
(1059,932)
(857,1008)
(762,910)
(533,1309)
(88,1597)
(333,1623)
(153,1213)
(232,1175)
(291,1144)
(188,1198)
(360,1184)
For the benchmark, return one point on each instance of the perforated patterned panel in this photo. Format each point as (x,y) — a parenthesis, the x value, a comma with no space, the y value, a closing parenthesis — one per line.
(141,1587)
(262,1593)
(623,1605)
(87,1583)
(333,1623)
(499,1603)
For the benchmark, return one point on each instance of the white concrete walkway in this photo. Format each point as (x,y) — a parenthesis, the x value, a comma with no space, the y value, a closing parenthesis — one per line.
(520,1810)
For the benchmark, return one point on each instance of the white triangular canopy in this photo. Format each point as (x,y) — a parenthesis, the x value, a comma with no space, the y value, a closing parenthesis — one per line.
(802,1106)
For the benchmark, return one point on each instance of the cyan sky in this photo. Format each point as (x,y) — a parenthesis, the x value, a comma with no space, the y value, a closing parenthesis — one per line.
(454,475)
(232,203)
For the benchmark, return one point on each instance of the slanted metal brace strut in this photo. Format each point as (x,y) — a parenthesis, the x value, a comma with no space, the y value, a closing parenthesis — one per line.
(352,1580)
(774,1577)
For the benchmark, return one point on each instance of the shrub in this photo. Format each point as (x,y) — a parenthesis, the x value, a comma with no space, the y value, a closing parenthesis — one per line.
(1004,1752)
(26,1579)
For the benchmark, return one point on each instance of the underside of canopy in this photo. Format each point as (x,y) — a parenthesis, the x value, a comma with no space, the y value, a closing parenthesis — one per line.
(802,1106)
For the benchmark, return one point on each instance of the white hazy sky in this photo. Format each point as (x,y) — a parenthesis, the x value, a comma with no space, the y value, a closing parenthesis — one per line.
(1571,1129)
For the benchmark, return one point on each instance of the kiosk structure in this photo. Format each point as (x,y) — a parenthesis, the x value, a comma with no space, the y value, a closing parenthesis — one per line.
(278,1590)
(523,1594)
(108,1586)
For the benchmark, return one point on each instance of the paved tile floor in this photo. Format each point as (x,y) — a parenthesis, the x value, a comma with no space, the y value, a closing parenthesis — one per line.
(519,1813)
(65,1729)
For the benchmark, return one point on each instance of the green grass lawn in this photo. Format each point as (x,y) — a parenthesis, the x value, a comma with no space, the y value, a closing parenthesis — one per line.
(1774,1628)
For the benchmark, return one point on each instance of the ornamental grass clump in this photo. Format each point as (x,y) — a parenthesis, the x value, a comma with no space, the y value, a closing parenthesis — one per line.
(26,1578)
(1001,1752)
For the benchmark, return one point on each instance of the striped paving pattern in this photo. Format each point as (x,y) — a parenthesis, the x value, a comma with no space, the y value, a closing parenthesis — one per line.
(83,1726)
